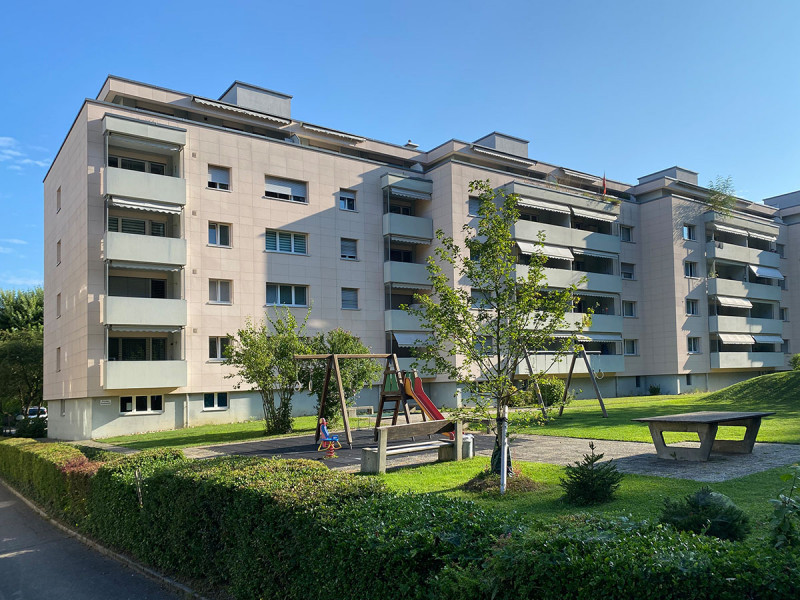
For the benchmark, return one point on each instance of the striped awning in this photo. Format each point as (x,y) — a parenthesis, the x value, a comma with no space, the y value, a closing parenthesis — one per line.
(409,240)
(590,214)
(159,207)
(728,229)
(603,337)
(734,302)
(145,328)
(763,236)
(546,250)
(595,253)
(411,286)
(766,272)
(124,264)
(768,339)
(410,340)
(736,338)
(410,194)
(542,205)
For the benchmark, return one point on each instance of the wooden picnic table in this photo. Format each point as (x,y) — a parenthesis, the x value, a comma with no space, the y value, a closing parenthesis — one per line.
(705,424)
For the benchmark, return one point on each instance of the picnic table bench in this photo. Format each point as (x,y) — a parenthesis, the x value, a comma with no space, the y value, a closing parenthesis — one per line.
(705,424)
(373,460)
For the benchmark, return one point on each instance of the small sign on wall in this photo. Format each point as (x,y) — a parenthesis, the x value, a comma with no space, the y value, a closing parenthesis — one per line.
(105,402)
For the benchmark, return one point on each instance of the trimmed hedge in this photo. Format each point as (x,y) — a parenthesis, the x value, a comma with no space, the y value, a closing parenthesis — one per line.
(287,529)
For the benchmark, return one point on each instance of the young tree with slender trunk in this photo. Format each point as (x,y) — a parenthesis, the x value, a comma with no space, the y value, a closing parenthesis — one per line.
(487,310)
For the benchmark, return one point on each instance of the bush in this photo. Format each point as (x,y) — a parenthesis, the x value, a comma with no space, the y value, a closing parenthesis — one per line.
(552,389)
(785,522)
(794,362)
(32,428)
(655,390)
(590,481)
(707,512)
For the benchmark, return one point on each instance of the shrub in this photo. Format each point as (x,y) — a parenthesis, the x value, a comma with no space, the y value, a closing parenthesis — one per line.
(794,362)
(552,389)
(655,390)
(785,522)
(589,481)
(707,512)
(32,428)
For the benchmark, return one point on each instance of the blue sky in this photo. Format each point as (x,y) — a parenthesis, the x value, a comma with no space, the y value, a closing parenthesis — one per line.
(622,88)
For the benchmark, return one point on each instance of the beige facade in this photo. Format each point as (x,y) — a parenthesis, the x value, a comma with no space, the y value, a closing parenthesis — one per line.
(182,216)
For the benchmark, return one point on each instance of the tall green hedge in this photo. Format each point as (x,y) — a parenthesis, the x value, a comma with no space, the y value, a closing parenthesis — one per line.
(289,529)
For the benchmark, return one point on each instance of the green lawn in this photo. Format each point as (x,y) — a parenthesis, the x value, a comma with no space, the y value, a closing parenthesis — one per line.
(206,435)
(778,392)
(640,496)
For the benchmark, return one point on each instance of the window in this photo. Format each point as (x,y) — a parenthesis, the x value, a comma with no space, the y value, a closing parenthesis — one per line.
(216,347)
(689,232)
(626,270)
(137,226)
(480,299)
(638,381)
(630,347)
(784,314)
(688,379)
(349,249)
(484,344)
(285,242)
(284,189)
(219,178)
(133,164)
(349,299)
(58,252)
(137,348)
(785,347)
(692,307)
(63,404)
(137,287)
(218,401)
(693,345)
(625,233)
(690,269)
(474,206)
(781,250)
(219,234)
(58,199)
(782,283)
(58,305)
(287,295)
(58,359)
(141,404)
(628,308)
(219,291)
(347,200)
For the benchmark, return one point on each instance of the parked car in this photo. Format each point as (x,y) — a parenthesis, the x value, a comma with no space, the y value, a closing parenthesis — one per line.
(34,412)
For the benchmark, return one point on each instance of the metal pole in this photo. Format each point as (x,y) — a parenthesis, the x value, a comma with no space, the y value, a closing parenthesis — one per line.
(504,450)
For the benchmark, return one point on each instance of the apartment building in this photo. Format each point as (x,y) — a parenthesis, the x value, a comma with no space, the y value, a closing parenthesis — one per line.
(171,218)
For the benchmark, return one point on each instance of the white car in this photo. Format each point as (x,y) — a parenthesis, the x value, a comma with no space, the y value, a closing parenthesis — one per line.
(34,412)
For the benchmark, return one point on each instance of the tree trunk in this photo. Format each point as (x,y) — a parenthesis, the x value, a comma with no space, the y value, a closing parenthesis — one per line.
(496,454)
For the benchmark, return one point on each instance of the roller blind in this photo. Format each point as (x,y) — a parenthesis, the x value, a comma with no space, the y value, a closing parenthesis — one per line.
(285,189)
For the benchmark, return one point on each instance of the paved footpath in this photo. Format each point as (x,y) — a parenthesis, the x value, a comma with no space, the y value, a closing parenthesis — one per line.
(39,561)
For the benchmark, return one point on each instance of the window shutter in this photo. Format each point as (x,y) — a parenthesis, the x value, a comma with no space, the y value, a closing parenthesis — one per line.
(299,243)
(349,298)
(272,294)
(136,226)
(285,189)
(224,235)
(158,229)
(272,240)
(300,295)
(285,242)
(221,177)
(349,248)
(113,223)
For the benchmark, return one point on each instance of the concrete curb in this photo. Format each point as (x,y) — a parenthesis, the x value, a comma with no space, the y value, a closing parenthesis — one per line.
(165,581)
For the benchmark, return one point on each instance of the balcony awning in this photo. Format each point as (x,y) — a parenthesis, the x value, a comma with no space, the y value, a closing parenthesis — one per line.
(595,253)
(578,175)
(334,133)
(542,205)
(734,302)
(411,194)
(159,207)
(241,111)
(603,337)
(736,338)
(762,236)
(583,294)
(124,264)
(565,334)
(411,286)
(120,140)
(766,272)
(146,328)
(590,214)
(408,240)
(728,229)
(768,339)
(546,250)
(410,340)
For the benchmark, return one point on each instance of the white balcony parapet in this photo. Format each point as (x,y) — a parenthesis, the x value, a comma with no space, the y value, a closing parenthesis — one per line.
(400,320)
(406,273)
(605,363)
(160,312)
(130,247)
(743,254)
(417,228)
(144,374)
(721,323)
(566,236)
(125,183)
(742,289)
(746,360)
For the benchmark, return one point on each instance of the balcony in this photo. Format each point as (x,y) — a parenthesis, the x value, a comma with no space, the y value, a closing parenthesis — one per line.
(414,187)
(400,320)
(407,226)
(745,325)
(727,251)
(763,226)
(561,278)
(743,289)
(600,323)
(410,274)
(144,249)
(746,360)
(607,363)
(566,236)
(144,374)
(144,186)
(159,312)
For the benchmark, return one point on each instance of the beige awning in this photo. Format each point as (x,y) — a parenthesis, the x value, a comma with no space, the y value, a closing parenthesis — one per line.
(728,229)
(595,253)
(766,272)
(763,236)
(768,339)
(410,194)
(736,338)
(409,240)
(542,205)
(734,302)
(590,214)
(603,337)
(145,328)
(546,250)
(124,264)
(150,206)
(410,340)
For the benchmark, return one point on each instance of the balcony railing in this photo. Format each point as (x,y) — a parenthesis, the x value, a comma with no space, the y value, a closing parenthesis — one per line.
(726,324)
(151,249)
(566,236)
(400,320)
(607,363)
(727,251)
(162,312)
(745,360)
(144,186)
(743,289)
(405,273)
(144,374)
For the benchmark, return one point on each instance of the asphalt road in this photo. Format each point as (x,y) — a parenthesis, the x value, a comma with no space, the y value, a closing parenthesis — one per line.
(39,561)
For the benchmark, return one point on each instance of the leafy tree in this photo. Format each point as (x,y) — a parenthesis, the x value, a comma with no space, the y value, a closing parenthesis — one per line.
(20,370)
(21,309)
(482,348)
(721,195)
(356,372)
(263,354)
(794,362)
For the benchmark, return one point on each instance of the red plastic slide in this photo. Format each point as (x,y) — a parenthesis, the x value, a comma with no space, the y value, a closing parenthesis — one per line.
(422,400)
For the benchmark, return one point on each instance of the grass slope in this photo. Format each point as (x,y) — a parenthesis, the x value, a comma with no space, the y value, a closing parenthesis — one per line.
(779,392)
